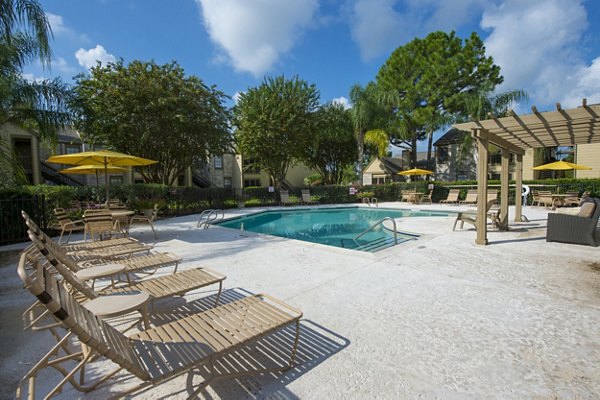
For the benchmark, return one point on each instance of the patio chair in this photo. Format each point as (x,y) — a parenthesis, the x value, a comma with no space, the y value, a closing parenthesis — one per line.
(452,197)
(306,199)
(65,224)
(470,216)
(542,197)
(571,199)
(471,197)
(284,196)
(100,222)
(407,195)
(157,355)
(143,218)
(576,229)
(428,198)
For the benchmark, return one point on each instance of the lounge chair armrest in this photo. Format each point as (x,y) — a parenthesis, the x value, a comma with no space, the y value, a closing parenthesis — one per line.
(280,303)
(214,273)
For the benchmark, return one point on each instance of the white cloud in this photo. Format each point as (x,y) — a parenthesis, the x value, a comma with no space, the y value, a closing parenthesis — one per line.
(535,43)
(89,58)
(63,66)
(60,29)
(379,26)
(584,83)
(236,96)
(254,34)
(56,24)
(343,101)
(28,76)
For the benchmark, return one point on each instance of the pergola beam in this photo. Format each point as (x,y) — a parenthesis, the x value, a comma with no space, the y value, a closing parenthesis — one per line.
(505,144)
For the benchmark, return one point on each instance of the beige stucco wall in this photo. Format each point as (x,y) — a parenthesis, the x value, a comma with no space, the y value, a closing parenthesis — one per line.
(10,132)
(588,155)
(375,168)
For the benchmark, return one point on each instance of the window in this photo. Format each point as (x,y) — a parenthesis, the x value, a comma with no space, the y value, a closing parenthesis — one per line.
(442,155)
(251,182)
(379,181)
(249,166)
(72,149)
(218,160)
(226,182)
(115,180)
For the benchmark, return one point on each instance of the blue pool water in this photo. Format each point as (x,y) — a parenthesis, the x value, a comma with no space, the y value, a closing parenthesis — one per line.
(332,226)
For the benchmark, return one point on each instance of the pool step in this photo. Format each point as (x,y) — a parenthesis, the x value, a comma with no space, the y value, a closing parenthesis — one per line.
(368,245)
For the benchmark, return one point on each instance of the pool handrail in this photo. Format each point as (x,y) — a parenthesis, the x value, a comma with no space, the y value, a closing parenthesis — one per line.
(211,215)
(379,223)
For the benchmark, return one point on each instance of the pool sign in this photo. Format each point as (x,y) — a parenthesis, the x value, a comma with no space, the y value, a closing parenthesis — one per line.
(353,190)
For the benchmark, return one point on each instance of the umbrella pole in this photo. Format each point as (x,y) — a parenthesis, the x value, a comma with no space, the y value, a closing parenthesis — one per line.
(106,178)
(97,181)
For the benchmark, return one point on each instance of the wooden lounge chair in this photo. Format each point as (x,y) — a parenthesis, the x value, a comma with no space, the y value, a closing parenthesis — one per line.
(306,199)
(470,216)
(471,197)
(145,219)
(139,263)
(407,195)
(157,355)
(106,248)
(452,197)
(65,224)
(284,196)
(158,288)
(576,229)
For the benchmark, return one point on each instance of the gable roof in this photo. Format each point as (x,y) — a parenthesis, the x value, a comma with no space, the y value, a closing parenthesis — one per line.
(452,136)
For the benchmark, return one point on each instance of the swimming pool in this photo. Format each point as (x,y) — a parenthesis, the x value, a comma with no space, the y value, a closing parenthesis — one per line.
(336,227)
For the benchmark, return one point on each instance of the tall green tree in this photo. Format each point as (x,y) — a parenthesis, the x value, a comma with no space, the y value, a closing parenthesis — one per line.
(37,106)
(369,112)
(431,78)
(275,122)
(154,111)
(333,147)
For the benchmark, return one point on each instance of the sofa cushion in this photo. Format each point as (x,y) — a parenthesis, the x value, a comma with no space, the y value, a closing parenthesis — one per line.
(587,210)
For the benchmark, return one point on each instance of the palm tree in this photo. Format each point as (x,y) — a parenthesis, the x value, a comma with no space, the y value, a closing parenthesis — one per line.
(38,106)
(483,104)
(368,113)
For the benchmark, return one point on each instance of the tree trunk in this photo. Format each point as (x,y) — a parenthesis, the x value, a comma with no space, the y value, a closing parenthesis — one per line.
(429,147)
(413,153)
(361,148)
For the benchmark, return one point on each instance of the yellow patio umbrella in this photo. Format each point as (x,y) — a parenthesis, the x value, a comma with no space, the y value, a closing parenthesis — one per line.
(414,172)
(93,169)
(560,166)
(103,158)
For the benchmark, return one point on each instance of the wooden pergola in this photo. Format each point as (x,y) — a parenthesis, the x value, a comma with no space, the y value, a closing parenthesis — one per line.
(516,133)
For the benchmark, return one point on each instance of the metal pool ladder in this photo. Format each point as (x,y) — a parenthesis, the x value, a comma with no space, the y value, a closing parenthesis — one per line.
(375,225)
(210,216)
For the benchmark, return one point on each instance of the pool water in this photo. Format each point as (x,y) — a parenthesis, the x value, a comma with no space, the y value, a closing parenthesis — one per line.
(336,227)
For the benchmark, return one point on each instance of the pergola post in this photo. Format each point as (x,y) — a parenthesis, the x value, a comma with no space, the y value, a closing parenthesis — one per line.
(482,179)
(504,175)
(518,187)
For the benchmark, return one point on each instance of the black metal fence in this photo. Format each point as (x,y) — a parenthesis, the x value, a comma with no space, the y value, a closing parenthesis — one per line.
(12,225)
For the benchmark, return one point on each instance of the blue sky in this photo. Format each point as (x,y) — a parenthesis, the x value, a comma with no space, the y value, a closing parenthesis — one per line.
(550,48)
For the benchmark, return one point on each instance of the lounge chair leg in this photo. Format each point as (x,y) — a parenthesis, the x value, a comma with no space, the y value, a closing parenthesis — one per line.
(62,232)
(219,294)
(296,340)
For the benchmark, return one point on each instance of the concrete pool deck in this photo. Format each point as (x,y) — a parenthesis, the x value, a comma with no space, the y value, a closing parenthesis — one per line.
(440,317)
